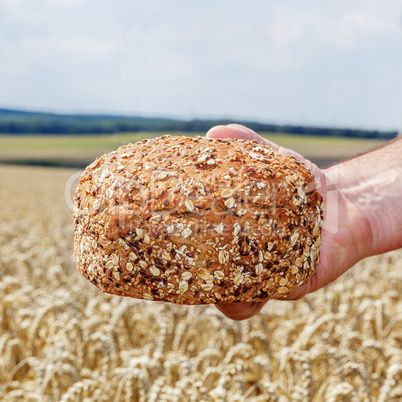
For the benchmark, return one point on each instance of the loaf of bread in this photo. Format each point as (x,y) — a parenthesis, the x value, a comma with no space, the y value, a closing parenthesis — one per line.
(197,220)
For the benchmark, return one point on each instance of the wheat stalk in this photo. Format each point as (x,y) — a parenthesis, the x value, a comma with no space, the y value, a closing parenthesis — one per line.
(62,339)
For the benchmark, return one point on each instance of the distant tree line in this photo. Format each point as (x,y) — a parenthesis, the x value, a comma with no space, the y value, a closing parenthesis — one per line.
(23,123)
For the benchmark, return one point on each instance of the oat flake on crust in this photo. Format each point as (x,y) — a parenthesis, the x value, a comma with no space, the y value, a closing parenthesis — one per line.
(197,220)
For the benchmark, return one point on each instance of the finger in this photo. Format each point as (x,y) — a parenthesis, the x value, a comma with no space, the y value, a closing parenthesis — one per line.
(299,293)
(242,132)
(326,271)
(240,311)
(236,131)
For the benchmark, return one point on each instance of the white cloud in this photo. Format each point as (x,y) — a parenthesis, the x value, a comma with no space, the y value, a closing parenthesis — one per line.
(78,47)
(67,3)
(368,24)
(311,61)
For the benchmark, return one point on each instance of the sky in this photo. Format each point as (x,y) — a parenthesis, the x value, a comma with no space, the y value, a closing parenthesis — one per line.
(335,63)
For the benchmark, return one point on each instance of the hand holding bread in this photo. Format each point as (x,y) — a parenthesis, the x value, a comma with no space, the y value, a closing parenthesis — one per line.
(198,220)
(212,227)
(362,212)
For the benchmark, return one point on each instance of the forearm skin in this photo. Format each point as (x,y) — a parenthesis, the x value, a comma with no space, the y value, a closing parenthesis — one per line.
(372,183)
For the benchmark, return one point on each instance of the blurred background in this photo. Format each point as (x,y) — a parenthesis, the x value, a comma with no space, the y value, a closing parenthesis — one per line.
(81,77)
(288,70)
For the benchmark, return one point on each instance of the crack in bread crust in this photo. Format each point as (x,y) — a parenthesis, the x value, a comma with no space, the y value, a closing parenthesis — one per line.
(197,220)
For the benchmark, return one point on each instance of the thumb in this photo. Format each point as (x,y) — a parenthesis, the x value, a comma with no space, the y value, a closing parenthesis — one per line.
(245,133)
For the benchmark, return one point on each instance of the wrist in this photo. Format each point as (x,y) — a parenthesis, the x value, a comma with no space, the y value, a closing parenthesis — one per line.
(355,222)
(370,186)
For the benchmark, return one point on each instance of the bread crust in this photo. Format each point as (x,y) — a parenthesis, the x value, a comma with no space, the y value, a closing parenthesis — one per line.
(197,220)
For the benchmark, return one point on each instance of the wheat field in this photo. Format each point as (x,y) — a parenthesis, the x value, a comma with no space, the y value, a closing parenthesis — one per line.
(61,339)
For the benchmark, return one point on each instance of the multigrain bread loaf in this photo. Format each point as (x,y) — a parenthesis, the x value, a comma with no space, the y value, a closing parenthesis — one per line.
(197,220)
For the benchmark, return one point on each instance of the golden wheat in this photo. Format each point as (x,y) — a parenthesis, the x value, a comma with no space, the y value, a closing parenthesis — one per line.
(62,339)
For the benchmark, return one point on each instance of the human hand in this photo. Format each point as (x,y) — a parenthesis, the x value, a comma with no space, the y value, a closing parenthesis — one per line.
(343,226)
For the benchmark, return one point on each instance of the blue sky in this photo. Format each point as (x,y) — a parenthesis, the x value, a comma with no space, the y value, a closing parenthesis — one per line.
(305,62)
